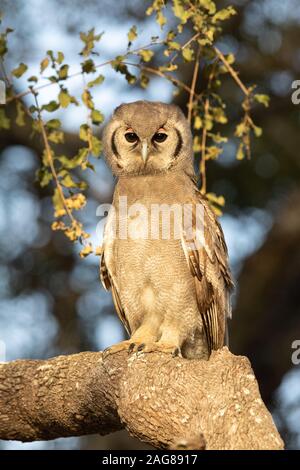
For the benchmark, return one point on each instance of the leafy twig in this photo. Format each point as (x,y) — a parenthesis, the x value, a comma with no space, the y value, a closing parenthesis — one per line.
(193,86)
(186,44)
(77,74)
(162,74)
(51,162)
(232,72)
(203,149)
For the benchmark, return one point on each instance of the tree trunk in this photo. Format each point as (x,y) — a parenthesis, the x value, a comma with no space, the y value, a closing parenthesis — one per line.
(167,402)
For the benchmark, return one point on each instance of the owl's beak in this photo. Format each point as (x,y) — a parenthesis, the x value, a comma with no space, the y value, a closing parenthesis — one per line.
(144,150)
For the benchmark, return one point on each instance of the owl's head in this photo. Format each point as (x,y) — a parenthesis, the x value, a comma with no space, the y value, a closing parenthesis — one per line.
(147,138)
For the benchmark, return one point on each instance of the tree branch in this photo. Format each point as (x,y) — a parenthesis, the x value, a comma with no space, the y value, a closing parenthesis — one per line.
(193,86)
(167,402)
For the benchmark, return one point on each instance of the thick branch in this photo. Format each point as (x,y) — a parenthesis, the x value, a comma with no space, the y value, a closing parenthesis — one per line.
(167,402)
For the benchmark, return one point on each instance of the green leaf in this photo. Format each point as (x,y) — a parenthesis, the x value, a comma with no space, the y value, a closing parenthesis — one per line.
(60,58)
(88,66)
(174,45)
(20,121)
(51,55)
(263,99)
(86,251)
(218,138)
(4,121)
(224,14)
(146,55)
(32,109)
(168,68)
(219,116)
(216,202)
(144,80)
(97,81)
(230,59)
(57,137)
(97,116)
(96,146)
(19,71)
(89,39)
(51,106)
(88,165)
(117,61)
(179,11)
(161,19)
(240,155)
(171,35)
(87,99)
(188,54)
(3,45)
(241,129)
(64,98)
(3,41)
(44,176)
(53,124)
(209,5)
(33,78)
(204,41)
(82,155)
(36,126)
(198,122)
(82,185)
(68,181)
(132,35)
(197,146)
(220,200)
(257,131)
(45,158)
(212,152)
(70,163)
(83,132)
(44,64)
(63,72)
(58,202)
(53,79)
(208,122)
(118,66)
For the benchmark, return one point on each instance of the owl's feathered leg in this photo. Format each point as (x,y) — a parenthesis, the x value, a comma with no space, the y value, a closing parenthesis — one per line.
(147,339)
(147,333)
(167,342)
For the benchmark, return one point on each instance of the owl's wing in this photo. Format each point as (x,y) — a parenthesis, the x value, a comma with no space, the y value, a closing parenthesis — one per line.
(107,275)
(206,253)
(109,284)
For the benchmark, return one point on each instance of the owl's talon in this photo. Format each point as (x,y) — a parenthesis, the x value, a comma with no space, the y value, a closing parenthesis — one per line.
(136,346)
(158,347)
(176,352)
(131,348)
(115,348)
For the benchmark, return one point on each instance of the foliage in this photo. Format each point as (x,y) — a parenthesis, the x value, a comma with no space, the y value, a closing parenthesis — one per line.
(189,33)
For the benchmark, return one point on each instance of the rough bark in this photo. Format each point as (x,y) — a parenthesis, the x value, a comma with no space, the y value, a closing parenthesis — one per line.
(167,402)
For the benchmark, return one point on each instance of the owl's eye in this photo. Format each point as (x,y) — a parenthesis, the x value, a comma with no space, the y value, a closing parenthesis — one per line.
(131,137)
(160,137)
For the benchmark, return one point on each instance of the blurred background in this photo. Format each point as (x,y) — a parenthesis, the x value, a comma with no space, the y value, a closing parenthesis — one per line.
(51,301)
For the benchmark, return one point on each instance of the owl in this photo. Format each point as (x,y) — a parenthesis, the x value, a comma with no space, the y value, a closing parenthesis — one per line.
(170,280)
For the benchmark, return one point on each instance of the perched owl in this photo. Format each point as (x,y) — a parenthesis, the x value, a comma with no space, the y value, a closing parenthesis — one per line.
(171,290)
